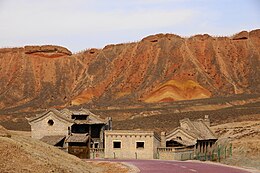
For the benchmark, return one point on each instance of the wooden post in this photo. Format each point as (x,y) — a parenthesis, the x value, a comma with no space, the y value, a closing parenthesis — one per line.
(218,153)
(212,155)
(230,149)
(225,151)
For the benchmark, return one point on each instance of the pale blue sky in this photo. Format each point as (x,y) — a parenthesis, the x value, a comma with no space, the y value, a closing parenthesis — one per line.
(81,24)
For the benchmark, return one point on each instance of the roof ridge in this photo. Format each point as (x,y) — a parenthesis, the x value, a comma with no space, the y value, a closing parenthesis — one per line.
(213,134)
(55,111)
(186,131)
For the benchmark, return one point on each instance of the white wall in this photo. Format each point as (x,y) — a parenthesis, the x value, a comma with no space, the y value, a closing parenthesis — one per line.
(128,148)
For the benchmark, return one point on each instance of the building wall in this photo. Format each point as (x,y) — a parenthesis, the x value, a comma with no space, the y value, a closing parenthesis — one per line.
(128,148)
(79,151)
(156,145)
(42,128)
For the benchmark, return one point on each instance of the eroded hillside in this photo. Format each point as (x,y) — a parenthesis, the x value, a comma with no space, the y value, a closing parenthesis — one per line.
(159,68)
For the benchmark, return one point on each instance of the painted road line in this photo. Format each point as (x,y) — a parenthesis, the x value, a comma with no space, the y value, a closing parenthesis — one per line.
(170,164)
(193,170)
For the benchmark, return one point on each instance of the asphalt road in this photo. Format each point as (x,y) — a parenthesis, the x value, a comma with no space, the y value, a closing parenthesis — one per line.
(160,166)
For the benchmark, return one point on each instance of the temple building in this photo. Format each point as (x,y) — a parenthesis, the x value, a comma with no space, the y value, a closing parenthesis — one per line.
(75,131)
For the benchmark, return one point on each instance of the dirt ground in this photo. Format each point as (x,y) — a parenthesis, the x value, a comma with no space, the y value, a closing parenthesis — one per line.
(22,154)
(245,139)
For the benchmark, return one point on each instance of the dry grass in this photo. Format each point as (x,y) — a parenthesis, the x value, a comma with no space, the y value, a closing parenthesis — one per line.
(245,138)
(22,154)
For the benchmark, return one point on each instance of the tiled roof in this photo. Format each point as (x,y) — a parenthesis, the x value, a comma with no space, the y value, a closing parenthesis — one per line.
(55,111)
(185,143)
(202,130)
(199,129)
(66,115)
(92,118)
(52,140)
(77,138)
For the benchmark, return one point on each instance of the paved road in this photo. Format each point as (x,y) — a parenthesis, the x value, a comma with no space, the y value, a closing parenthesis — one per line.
(160,166)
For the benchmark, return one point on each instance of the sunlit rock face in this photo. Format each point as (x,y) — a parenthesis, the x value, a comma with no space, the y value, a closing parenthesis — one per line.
(159,68)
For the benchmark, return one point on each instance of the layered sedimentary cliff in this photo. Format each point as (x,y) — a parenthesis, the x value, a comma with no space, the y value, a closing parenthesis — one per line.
(159,68)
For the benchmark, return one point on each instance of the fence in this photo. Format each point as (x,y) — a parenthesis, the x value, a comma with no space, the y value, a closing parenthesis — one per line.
(170,153)
(220,152)
(97,153)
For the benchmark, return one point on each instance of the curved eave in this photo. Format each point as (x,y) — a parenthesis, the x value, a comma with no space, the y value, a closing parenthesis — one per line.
(45,114)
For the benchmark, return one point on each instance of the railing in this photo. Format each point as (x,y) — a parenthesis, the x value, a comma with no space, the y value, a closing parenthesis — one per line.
(174,149)
(97,153)
(175,153)
(97,150)
(217,154)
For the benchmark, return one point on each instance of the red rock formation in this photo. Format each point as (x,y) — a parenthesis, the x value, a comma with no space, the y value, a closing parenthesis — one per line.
(177,90)
(133,72)
(46,49)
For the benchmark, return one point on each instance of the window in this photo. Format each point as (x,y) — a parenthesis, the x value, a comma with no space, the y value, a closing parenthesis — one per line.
(116,144)
(50,122)
(139,144)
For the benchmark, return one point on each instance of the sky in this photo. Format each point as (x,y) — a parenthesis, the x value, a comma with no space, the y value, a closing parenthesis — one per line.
(83,24)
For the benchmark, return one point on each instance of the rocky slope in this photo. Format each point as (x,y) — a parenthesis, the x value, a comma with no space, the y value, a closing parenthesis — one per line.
(159,68)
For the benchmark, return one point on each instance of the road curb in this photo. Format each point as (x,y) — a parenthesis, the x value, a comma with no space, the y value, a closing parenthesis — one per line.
(132,168)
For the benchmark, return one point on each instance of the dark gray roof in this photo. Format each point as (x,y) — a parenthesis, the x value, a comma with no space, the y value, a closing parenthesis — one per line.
(52,140)
(92,118)
(183,142)
(77,138)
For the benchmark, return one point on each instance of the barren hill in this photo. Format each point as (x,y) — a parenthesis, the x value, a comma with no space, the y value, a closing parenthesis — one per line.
(22,154)
(159,68)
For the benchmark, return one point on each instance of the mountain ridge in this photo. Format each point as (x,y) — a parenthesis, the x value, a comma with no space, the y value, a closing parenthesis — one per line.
(51,76)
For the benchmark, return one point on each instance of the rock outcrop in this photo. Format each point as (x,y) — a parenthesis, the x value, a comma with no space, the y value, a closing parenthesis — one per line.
(240,36)
(163,67)
(47,51)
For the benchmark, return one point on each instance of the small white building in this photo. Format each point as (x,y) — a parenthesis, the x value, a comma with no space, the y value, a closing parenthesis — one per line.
(130,144)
